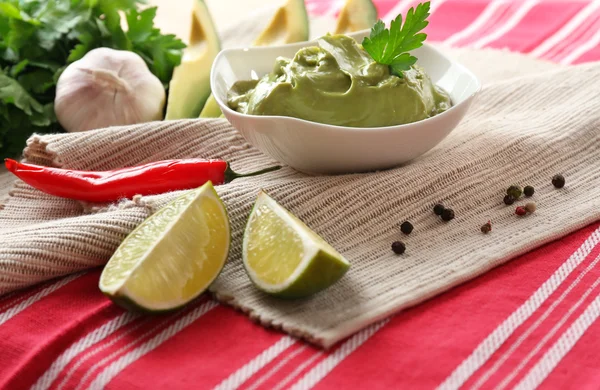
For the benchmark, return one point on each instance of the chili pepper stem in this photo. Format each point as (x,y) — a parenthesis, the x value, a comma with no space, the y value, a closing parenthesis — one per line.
(230,174)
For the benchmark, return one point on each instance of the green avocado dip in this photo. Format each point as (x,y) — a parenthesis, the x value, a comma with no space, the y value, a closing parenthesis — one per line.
(338,83)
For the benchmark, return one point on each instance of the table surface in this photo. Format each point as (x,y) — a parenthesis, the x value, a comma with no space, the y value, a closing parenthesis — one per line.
(529,323)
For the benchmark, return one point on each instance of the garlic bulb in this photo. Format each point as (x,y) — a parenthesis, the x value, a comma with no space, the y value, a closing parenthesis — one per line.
(108,88)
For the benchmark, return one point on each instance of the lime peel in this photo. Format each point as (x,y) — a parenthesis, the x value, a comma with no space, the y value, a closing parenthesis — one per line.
(316,265)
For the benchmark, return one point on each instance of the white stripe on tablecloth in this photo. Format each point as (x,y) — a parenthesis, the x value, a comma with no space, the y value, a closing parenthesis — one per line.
(547,336)
(435,5)
(99,334)
(495,339)
(403,6)
(582,49)
(120,364)
(321,370)
(334,7)
(555,354)
(276,368)
(13,311)
(535,325)
(311,7)
(506,27)
(84,357)
(567,29)
(579,37)
(478,23)
(399,8)
(297,371)
(98,364)
(13,298)
(241,375)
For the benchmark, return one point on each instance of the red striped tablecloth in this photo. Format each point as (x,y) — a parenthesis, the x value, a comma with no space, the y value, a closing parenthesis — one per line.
(529,323)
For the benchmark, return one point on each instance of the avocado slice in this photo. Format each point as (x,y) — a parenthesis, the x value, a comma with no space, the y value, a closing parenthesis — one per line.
(288,25)
(356,15)
(190,86)
(211,108)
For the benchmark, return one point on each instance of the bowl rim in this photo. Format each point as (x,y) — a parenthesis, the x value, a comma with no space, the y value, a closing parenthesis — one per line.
(435,118)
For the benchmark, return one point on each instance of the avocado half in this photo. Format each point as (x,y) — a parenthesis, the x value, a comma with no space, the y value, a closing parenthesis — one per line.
(288,25)
(356,15)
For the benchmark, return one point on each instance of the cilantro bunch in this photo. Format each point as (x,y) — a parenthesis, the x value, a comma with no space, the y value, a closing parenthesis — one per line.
(39,38)
(392,46)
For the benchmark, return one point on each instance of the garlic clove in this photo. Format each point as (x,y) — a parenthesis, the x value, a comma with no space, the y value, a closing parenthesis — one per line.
(108,87)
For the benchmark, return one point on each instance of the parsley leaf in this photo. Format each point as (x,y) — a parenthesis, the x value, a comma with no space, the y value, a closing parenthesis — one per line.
(12,92)
(391,46)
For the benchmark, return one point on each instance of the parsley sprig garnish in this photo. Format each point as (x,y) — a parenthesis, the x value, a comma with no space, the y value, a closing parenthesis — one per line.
(391,47)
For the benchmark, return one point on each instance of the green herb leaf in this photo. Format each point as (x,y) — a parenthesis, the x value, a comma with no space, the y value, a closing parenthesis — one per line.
(140,24)
(13,12)
(391,46)
(12,92)
(18,68)
(113,24)
(10,10)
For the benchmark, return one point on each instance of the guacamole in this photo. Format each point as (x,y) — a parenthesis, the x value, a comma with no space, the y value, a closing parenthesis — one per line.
(338,83)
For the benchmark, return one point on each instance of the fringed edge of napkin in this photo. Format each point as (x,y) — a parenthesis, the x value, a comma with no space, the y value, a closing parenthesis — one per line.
(36,152)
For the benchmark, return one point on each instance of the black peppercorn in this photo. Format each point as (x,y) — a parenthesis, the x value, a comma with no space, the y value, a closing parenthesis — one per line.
(558,181)
(398,247)
(438,209)
(515,191)
(447,214)
(528,191)
(509,199)
(406,227)
(486,228)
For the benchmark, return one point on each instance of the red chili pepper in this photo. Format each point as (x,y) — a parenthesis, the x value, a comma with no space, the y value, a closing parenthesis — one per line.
(109,186)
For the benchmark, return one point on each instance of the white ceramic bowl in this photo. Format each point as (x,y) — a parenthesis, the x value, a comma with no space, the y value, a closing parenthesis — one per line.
(319,148)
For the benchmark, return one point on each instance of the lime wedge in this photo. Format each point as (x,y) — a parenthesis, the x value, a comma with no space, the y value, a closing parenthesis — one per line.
(173,256)
(283,257)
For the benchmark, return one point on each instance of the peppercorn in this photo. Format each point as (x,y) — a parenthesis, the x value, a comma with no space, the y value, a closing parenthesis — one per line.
(558,181)
(530,207)
(515,191)
(438,209)
(509,199)
(406,227)
(520,211)
(528,191)
(447,214)
(398,247)
(486,227)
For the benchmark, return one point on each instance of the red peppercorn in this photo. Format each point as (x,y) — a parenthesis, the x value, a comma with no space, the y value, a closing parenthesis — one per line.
(520,211)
